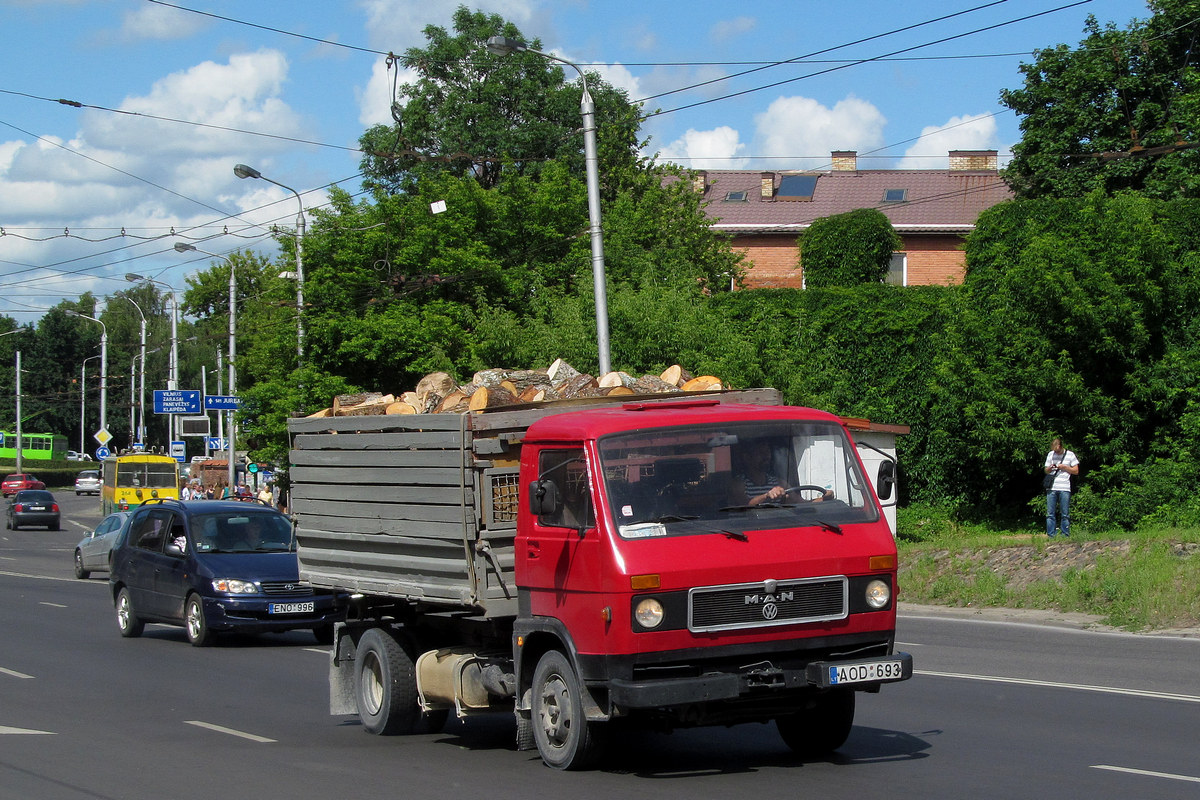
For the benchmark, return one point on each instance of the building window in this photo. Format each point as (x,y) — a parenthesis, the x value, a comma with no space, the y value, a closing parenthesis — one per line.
(897,274)
(895,195)
(736,197)
(797,187)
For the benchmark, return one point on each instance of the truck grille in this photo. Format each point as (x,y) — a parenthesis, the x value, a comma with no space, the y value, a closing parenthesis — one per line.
(286,588)
(767,603)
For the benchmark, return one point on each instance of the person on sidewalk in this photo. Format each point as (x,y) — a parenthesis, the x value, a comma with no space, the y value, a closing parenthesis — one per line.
(1061,464)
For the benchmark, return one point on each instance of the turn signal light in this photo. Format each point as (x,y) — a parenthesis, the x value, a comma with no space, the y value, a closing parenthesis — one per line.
(882,562)
(643,582)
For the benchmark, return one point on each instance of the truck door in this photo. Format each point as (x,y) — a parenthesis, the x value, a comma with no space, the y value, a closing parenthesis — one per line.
(562,551)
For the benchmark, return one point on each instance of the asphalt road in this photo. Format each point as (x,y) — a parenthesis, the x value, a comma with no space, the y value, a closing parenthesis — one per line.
(997,710)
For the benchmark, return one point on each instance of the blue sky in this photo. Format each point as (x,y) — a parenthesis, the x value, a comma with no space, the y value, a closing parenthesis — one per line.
(172,99)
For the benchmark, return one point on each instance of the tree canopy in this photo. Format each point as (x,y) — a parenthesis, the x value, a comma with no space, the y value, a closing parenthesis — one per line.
(1119,112)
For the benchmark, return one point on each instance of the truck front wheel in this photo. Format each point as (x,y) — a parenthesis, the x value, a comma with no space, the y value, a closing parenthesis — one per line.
(564,737)
(821,728)
(385,685)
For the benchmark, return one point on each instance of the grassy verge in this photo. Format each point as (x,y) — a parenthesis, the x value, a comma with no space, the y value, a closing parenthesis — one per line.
(1141,580)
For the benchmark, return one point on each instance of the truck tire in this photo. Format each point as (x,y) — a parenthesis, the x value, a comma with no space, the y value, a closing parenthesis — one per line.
(821,729)
(565,739)
(385,684)
(127,620)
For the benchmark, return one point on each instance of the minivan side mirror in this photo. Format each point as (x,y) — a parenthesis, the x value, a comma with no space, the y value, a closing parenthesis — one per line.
(886,479)
(544,498)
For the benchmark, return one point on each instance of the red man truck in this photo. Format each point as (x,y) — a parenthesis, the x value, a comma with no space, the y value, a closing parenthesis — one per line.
(672,560)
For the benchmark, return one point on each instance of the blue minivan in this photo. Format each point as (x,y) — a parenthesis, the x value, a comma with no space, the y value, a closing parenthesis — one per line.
(215,566)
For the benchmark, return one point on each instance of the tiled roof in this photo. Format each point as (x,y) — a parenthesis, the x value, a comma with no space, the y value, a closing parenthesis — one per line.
(935,201)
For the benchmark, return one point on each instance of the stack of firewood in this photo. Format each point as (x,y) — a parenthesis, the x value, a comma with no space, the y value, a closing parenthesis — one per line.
(439,393)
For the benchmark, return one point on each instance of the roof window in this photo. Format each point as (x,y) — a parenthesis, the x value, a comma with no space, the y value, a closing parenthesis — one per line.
(895,195)
(736,197)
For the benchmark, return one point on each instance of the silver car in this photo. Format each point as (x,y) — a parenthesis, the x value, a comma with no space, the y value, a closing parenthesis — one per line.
(92,552)
(87,482)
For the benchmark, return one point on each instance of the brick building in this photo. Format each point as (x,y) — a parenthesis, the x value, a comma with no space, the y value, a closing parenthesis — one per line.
(931,209)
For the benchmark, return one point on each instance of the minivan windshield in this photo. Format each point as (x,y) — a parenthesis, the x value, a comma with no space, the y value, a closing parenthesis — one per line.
(732,478)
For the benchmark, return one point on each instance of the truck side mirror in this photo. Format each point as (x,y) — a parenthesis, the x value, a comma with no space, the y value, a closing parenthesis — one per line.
(544,499)
(886,479)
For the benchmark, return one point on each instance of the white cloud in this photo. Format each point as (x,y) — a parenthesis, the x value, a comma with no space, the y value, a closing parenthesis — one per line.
(715,149)
(800,132)
(152,21)
(968,132)
(396,25)
(731,28)
(619,76)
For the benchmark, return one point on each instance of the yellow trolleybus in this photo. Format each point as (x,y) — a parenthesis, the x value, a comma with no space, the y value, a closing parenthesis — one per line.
(130,479)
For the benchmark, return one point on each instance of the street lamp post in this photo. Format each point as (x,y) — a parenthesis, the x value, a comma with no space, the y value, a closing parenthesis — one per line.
(184,247)
(83,403)
(243,171)
(140,434)
(103,367)
(173,367)
(17,398)
(503,45)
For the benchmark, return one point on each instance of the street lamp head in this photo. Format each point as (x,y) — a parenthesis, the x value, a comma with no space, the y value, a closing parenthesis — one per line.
(503,45)
(182,247)
(71,313)
(133,277)
(243,171)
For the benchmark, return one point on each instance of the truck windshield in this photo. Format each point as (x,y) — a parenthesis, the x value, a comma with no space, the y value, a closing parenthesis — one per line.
(728,479)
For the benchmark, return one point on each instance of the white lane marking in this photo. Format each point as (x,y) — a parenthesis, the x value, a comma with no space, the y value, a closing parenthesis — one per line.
(13,673)
(1148,773)
(323,652)
(50,578)
(25,731)
(1187,698)
(52,605)
(230,731)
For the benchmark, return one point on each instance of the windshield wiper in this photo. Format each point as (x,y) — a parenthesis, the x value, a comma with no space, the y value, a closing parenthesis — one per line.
(741,537)
(829,526)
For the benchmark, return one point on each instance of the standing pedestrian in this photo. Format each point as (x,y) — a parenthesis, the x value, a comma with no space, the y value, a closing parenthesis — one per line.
(1061,464)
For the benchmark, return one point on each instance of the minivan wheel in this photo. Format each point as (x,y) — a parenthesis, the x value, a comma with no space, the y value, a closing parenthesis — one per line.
(198,632)
(127,620)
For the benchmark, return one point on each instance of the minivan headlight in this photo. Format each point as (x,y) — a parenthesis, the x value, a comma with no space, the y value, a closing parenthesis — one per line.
(235,586)
(878,594)
(648,613)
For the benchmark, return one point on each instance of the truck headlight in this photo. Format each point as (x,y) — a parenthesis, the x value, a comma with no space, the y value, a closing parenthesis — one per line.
(648,613)
(235,586)
(878,594)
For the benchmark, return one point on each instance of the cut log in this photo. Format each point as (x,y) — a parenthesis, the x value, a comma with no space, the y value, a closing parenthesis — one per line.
(560,372)
(485,398)
(609,391)
(578,386)
(533,394)
(347,401)
(652,384)
(324,412)
(369,408)
(435,383)
(455,402)
(675,375)
(704,383)
(616,379)
(411,398)
(401,407)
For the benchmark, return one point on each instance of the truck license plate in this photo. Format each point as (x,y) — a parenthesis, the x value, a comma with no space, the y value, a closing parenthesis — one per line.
(291,608)
(870,671)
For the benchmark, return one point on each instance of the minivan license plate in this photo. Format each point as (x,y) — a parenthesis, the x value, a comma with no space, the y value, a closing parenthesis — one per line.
(869,671)
(291,608)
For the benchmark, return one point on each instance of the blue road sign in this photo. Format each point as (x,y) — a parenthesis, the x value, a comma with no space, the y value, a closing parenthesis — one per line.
(102,453)
(221,402)
(217,443)
(176,401)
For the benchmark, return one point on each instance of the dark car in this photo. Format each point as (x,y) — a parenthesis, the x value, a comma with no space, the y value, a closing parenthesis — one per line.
(18,481)
(33,507)
(214,566)
(95,548)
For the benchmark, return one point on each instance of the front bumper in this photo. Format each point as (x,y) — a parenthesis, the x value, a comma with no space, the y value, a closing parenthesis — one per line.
(252,615)
(756,680)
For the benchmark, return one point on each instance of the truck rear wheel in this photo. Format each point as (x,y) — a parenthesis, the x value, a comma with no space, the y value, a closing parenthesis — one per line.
(385,685)
(821,729)
(564,737)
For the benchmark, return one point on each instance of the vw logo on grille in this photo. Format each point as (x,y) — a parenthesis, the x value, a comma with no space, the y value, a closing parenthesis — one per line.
(770,611)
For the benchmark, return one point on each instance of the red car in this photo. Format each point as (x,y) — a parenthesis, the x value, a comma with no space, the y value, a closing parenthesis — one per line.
(18,481)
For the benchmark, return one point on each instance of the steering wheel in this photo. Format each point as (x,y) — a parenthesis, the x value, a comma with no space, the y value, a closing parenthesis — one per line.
(820,490)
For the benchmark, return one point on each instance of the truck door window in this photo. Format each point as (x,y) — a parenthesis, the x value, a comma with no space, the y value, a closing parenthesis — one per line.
(568,470)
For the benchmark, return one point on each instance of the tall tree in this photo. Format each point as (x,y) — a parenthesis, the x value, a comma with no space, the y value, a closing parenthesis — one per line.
(848,249)
(1121,111)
